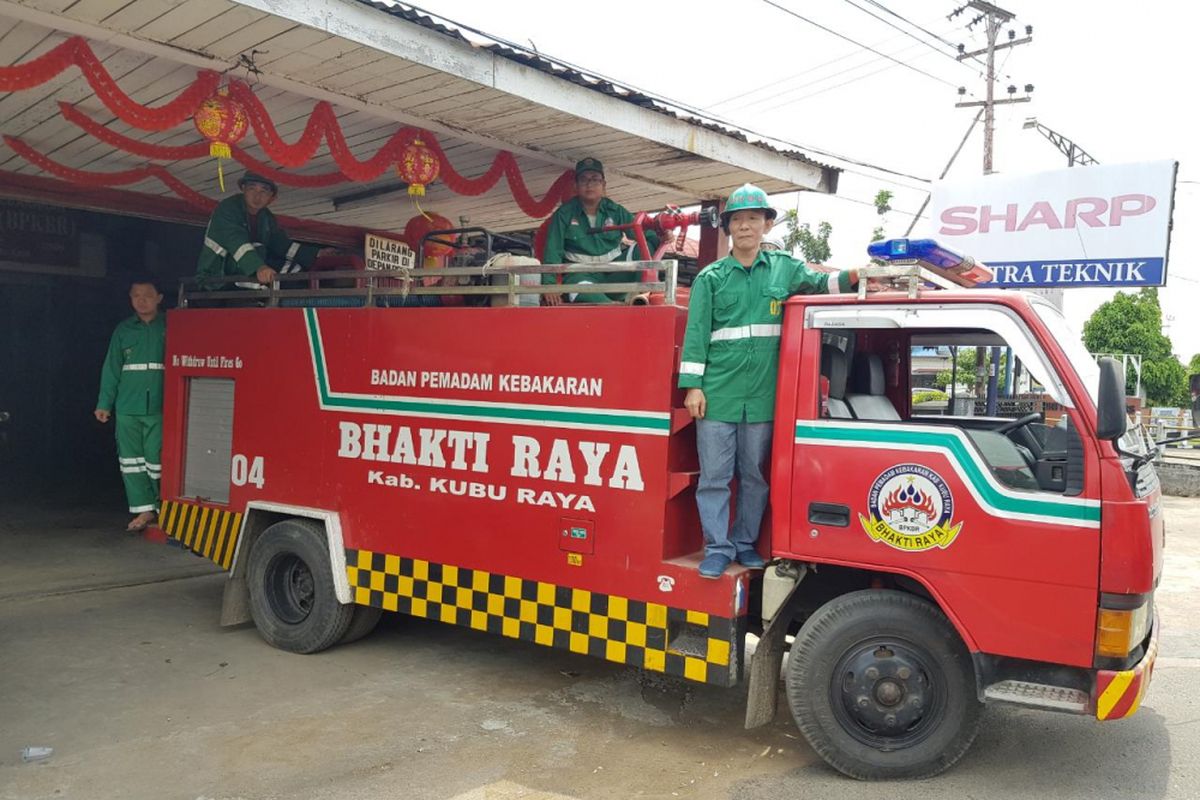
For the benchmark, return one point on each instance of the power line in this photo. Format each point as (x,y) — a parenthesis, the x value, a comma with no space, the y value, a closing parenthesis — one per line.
(828,30)
(909,34)
(774,98)
(805,71)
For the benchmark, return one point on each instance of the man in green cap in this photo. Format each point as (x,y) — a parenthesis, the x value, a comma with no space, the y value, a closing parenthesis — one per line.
(568,239)
(244,238)
(729,361)
(131,383)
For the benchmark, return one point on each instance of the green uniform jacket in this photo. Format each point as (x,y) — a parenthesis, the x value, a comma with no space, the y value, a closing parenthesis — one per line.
(231,248)
(132,375)
(731,347)
(568,233)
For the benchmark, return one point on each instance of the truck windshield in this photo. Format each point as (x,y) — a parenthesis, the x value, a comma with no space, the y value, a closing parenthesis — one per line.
(1085,366)
(1072,345)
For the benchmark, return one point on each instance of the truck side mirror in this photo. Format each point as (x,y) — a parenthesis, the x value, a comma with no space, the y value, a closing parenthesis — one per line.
(1110,408)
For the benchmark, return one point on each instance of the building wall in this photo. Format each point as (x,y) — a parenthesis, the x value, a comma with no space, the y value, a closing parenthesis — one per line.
(55,322)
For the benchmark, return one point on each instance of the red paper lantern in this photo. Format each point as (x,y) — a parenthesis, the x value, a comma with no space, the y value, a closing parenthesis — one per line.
(223,122)
(421,224)
(418,167)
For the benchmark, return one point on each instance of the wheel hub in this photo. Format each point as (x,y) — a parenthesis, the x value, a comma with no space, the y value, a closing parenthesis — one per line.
(291,589)
(885,693)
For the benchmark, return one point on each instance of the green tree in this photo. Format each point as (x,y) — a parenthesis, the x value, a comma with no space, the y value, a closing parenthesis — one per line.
(883,204)
(1194,365)
(814,247)
(968,358)
(1132,323)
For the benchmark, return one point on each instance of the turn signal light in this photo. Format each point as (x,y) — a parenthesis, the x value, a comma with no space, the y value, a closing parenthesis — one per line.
(1119,631)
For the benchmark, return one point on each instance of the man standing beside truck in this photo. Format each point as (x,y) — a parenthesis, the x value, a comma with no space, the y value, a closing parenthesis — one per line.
(131,384)
(729,363)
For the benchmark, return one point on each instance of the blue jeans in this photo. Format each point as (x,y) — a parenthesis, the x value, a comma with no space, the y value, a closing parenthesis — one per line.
(726,447)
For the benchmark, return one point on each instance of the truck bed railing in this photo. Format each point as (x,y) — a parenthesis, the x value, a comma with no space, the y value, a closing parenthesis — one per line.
(373,285)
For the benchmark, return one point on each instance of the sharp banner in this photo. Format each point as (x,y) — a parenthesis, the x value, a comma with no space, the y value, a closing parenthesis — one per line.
(1103,225)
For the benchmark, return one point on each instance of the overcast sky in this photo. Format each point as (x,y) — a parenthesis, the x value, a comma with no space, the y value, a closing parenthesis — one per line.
(1118,78)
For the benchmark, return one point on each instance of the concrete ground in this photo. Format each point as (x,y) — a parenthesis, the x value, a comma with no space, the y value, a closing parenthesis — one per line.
(110,653)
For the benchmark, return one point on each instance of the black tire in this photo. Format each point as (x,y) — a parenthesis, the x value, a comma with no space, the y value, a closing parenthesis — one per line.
(363,621)
(882,687)
(292,598)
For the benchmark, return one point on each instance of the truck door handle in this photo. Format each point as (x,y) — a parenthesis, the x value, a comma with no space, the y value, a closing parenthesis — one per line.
(833,514)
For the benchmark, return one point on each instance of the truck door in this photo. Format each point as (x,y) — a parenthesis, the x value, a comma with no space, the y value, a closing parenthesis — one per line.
(996,516)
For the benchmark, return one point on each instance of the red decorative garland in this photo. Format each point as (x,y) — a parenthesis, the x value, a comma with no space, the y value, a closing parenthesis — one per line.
(76,51)
(123,178)
(322,126)
(198,150)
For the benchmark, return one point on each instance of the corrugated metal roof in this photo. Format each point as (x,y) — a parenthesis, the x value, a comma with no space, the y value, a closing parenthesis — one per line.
(575,75)
(382,67)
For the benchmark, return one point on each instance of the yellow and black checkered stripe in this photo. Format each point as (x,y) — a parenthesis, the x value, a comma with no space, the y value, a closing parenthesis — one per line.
(209,532)
(689,644)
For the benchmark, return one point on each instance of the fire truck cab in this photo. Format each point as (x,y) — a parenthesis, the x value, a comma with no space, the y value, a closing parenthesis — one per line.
(529,472)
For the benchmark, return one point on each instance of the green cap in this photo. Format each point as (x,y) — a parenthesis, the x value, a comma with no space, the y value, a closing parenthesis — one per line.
(746,197)
(254,177)
(589,165)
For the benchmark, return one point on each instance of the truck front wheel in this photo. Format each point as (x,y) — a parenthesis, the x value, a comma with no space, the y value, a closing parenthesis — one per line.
(882,687)
(292,597)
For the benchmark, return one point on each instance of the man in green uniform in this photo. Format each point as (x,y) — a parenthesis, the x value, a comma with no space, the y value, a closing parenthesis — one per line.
(568,239)
(728,366)
(131,383)
(244,238)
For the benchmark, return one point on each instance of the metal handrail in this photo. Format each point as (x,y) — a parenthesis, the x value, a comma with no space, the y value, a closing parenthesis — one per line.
(194,288)
(911,276)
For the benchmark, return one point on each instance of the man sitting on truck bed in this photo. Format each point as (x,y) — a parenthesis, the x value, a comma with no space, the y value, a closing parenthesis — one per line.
(569,237)
(243,237)
(730,355)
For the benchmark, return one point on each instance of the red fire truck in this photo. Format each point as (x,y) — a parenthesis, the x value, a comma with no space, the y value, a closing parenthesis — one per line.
(529,472)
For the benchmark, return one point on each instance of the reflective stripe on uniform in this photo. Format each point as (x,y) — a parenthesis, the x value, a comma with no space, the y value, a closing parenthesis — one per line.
(131,470)
(216,248)
(141,509)
(291,251)
(691,368)
(241,251)
(606,258)
(142,367)
(832,285)
(746,332)
(138,460)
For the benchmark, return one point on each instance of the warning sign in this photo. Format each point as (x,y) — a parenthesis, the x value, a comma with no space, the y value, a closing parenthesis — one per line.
(387,254)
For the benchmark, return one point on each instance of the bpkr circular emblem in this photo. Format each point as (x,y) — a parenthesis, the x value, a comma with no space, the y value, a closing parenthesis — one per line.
(911,509)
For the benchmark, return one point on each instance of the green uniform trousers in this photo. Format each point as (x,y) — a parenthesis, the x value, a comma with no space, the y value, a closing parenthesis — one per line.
(139,450)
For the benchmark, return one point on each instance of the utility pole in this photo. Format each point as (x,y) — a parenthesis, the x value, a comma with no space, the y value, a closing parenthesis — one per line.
(994,19)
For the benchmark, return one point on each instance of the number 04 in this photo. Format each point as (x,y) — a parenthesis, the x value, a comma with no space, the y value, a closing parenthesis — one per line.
(245,471)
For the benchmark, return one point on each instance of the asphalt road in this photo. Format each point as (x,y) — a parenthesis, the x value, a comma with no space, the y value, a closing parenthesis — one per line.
(110,653)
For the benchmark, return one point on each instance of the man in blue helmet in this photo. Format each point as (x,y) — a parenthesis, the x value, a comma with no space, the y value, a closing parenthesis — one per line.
(730,357)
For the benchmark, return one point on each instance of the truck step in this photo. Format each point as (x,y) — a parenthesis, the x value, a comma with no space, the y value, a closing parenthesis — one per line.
(1040,695)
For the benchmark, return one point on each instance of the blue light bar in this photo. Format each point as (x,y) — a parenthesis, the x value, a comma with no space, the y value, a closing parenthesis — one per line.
(927,250)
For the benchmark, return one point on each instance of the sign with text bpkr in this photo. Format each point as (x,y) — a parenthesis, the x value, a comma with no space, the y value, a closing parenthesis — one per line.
(1103,225)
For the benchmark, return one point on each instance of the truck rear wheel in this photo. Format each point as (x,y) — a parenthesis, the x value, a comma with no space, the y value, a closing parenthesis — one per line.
(362,623)
(292,597)
(882,687)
